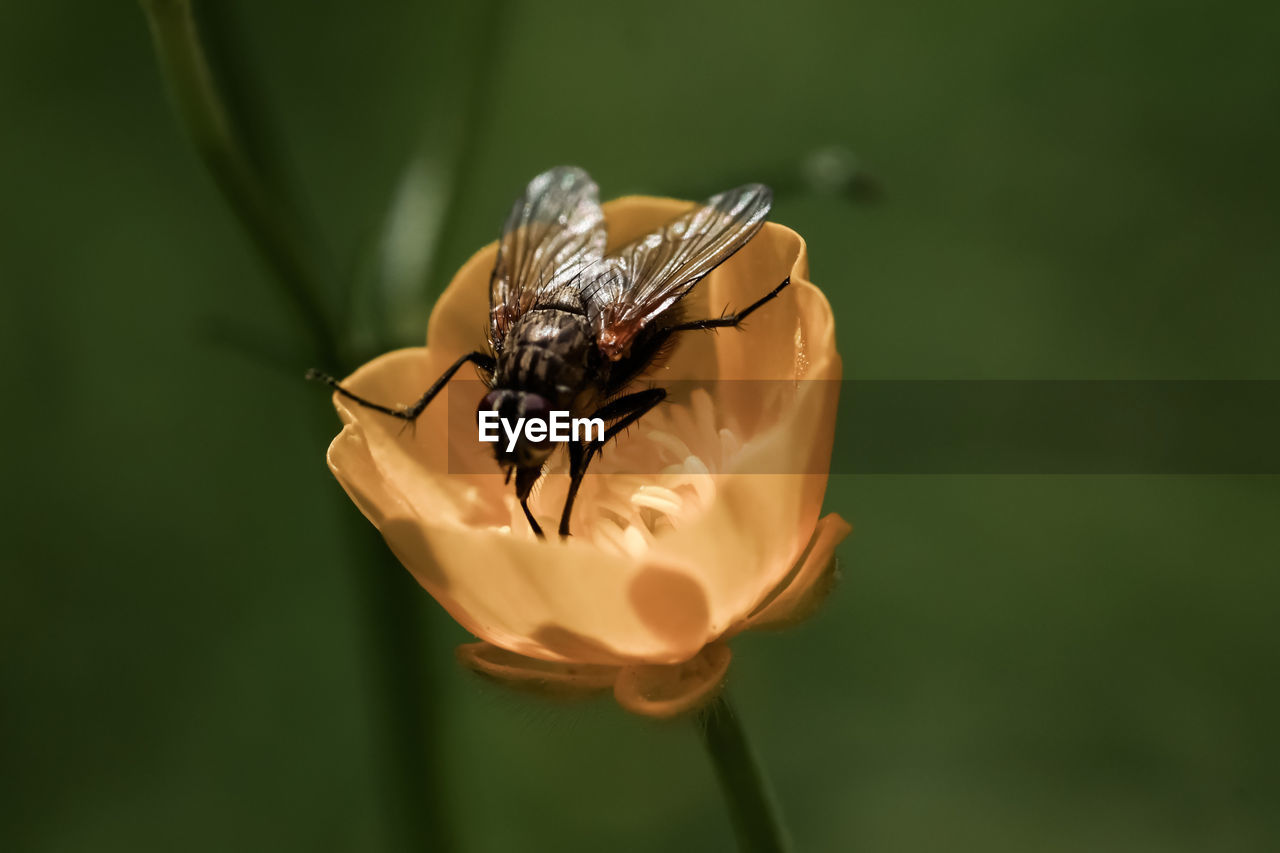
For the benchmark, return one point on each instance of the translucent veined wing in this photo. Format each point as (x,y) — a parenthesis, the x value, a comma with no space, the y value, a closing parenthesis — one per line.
(554,231)
(641,280)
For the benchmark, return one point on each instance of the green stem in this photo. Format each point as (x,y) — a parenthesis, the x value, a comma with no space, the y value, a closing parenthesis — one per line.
(408,750)
(407,259)
(269,220)
(752,810)
(403,674)
(473,115)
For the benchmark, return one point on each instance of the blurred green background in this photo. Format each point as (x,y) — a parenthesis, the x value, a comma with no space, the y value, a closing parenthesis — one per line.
(1071,190)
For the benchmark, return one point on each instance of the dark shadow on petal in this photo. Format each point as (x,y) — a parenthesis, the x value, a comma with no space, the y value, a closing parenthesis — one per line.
(672,605)
(405,539)
(574,645)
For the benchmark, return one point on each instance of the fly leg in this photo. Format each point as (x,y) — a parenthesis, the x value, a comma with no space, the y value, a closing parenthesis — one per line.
(627,410)
(410,413)
(525,478)
(729,319)
(533,522)
(640,358)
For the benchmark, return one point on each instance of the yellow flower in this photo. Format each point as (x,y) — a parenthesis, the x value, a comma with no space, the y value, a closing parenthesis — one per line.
(718,532)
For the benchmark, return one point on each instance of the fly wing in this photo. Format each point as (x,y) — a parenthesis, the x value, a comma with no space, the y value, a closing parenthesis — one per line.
(640,281)
(554,231)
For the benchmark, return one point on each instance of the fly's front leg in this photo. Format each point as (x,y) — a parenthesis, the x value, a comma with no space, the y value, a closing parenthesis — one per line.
(626,410)
(483,360)
(525,480)
(577,469)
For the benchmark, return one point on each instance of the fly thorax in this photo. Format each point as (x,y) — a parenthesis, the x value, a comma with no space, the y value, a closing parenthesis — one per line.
(547,351)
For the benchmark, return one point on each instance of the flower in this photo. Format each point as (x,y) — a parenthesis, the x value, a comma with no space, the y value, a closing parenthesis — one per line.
(718,532)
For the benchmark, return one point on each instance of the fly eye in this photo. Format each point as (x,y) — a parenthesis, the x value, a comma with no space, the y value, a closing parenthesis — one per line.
(489,403)
(536,406)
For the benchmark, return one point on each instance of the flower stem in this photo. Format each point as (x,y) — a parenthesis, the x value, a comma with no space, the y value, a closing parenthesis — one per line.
(472,108)
(407,748)
(752,810)
(269,220)
(215,120)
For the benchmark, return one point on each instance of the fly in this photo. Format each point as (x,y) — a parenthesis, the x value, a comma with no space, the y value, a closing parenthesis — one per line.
(571,327)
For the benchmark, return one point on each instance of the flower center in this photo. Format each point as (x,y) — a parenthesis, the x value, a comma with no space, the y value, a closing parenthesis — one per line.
(660,474)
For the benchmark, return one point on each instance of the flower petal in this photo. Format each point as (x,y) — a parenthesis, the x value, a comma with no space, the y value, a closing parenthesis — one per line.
(459,320)
(536,676)
(768,503)
(667,691)
(804,590)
